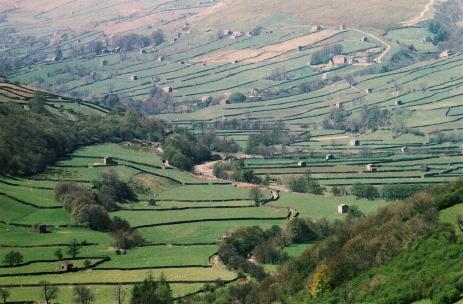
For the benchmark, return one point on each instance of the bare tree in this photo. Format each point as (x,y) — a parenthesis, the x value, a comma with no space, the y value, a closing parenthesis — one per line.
(49,292)
(83,295)
(119,294)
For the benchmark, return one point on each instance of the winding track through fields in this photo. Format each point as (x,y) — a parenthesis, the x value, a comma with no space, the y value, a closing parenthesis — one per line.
(422,15)
(383,53)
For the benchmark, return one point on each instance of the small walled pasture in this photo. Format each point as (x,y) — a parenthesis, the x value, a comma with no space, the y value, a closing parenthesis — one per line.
(428,94)
(204,69)
(181,232)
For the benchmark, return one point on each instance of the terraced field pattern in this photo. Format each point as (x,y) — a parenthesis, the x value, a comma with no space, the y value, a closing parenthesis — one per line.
(197,63)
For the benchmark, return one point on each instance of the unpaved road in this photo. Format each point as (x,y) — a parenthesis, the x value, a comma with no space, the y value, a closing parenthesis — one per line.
(422,16)
(383,53)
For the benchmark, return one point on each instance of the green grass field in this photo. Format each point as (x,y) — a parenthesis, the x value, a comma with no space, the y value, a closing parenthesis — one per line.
(178,233)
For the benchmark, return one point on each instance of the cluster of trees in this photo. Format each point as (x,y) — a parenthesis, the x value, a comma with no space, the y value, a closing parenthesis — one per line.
(368,118)
(15,257)
(439,31)
(248,245)
(183,150)
(278,74)
(325,54)
(245,248)
(391,192)
(440,137)
(402,58)
(259,143)
(91,207)
(237,97)
(446,26)
(306,184)
(217,143)
(132,41)
(402,246)
(126,42)
(149,291)
(242,124)
(235,171)
(32,139)
(152,292)
(158,102)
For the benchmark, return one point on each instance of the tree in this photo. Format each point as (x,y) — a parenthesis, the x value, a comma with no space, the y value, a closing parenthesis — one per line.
(59,253)
(313,186)
(256,195)
(82,295)
(320,280)
(5,294)
(237,97)
(364,191)
(152,292)
(257,30)
(13,258)
(119,294)
(58,53)
(49,292)
(354,213)
(300,232)
(126,239)
(74,248)
(336,191)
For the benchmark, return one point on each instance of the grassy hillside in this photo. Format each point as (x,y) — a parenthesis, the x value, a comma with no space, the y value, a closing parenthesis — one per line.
(400,254)
(182,230)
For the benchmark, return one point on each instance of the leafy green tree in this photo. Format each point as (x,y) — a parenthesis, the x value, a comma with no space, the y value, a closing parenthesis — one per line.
(237,97)
(256,195)
(58,253)
(152,292)
(354,213)
(58,53)
(313,186)
(74,248)
(13,258)
(300,232)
